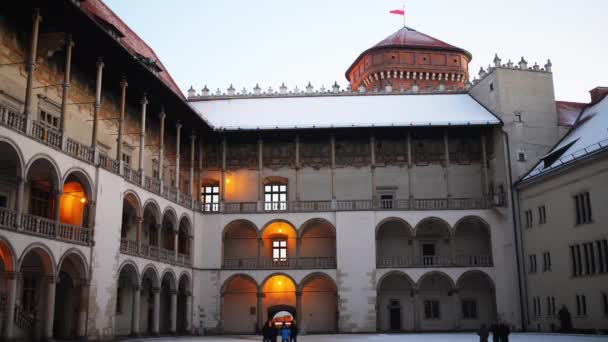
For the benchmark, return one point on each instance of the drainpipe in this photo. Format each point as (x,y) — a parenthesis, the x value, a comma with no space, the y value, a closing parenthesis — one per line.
(517,239)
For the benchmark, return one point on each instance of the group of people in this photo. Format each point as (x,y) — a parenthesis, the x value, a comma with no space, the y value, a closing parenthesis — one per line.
(500,332)
(271,331)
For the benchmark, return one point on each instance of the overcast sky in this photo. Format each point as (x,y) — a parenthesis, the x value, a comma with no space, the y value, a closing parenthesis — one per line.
(244,42)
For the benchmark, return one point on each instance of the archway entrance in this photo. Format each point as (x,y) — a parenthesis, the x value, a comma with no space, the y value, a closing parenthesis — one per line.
(282,315)
(396,303)
(319,304)
(239,305)
(70,298)
(279,294)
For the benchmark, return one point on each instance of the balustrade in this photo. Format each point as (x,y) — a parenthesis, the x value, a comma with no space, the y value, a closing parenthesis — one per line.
(274,263)
(8,218)
(434,261)
(153,252)
(46,134)
(26,321)
(12,119)
(79,150)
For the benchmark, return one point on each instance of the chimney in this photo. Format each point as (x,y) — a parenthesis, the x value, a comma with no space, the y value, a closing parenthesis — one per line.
(598,94)
(191,92)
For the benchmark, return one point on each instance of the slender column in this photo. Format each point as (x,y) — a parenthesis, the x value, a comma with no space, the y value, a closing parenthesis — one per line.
(158,236)
(19,203)
(121,119)
(372,145)
(69,44)
(192,151)
(178,127)
(31,62)
(298,186)
(260,305)
(484,165)
(135,313)
(260,250)
(298,249)
(415,310)
(200,172)
(223,185)
(142,137)
(97,103)
(299,316)
(188,312)
(49,313)
(9,308)
(333,165)
(161,147)
(446,147)
(260,167)
(455,306)
(156,312)
(409,167)
(82,310)
(173,327)
(138,230)
(58,193)
(175,242)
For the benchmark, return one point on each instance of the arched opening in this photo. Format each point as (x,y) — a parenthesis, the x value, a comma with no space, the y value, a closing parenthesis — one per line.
(395,306)
(150,288)
(10,175)
(168,232)
(472,243)
(319,312)
(36,294)
(42,189)
(239,305)
(184,306)
(128,282)
(7,266)
(75,200)
(130,215)
(279,294)
(240,245)
(183,238)
(150,228)
(433,242)
(71,296)
(394,245)
(317,245)
(279,245)
(436,302)
(168,304)
(477,300)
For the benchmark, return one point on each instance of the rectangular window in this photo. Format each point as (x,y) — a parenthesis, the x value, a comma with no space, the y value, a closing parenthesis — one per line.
(532,263)
(28,299)
(536,306)
(589,255)
(602,255)
(552,306)
(529,219)
(126,158)
(41,203)
(211,198)
(542,214)
(582,203)
(469,309)
(431,309)
(546,261)
(581,305)
(48,119)
(279,250)
(155,168)
(605,303)
(548,306)
(275,197)
(386,201)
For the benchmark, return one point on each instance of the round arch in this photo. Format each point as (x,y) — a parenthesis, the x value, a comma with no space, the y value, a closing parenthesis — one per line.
(268,225)
(474,273)
(244,276)
(313,276)
(319,312)
(440,274)
(133,199)
(151,272)
(77,192)
(128,264)
(236,223)
(394,274)
(20,160)
(395,303)
(81,175)
(154,208)
(55,170)
(186,280)
(281,274)
(394,219)
(74,253)
(185,219)
(480,306)
(44,253)
(480,221)
(171,215)
(312,222)
(169,274)
(444,225)
(240,243)
(7,254)
(240,293)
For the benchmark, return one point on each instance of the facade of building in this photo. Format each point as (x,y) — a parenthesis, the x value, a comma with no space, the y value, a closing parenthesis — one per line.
(129,209)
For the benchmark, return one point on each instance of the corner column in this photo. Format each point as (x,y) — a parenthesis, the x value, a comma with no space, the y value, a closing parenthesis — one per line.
(82,310)
(161,147)
(97,103)
(260,176)
(299,317)
(298,185)
(156,312)
(260,304)
(69,44)
(49,309)
(138,230)
(332,142)
(447,165)
(9,308)
(135,313)
(409,169)
(223,171)
(121,119)
(142,138)
(175,243)
(173,326)
(31,62)
(188,312)
(372,145)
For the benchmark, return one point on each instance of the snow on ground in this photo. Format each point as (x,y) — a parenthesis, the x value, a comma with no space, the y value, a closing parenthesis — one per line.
(454,337)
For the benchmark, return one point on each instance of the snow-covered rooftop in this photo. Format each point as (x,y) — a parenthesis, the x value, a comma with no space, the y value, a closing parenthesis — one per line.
(589,135)
(344,111)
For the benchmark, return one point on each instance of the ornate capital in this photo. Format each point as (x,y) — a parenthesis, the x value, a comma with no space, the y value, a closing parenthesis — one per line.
(178,125)
(123,82)
(173,292)
(99,63)
(155,289)
(144,99)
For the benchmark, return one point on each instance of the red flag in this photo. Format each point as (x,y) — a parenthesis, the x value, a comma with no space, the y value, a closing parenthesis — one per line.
(398,12)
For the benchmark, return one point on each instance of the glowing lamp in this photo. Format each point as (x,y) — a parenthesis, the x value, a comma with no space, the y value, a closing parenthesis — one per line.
(227,180)
(279,282)
(280,230)
(83,200)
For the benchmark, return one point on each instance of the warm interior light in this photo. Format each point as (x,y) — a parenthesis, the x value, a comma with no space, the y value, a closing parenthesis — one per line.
(280,230)
(227,180)
(279,282)
(83,200)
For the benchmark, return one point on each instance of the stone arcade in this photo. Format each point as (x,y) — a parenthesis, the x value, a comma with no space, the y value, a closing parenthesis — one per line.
(129,209)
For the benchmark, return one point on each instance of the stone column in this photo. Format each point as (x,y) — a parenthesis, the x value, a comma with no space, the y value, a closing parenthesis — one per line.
(199,190)
(9,308)
(49,309)
(97,103)
(260,305)
(299,315)
(31,62)
(455,307)
(188,312)
(82,312)
(175,242)
(415,310)
(298,249)
(69,44)
(260,167)
(178,127)
(156,314)
(58,193)
(333,166)
(138,230)
(159,228)
(260,250)
(142,138)
(161,147)
(484,166)
(372,145)
(298,185)
(121,119)
(19,203)
(135,313)
(223,170)
(409,169)
(192,150)
(173,326)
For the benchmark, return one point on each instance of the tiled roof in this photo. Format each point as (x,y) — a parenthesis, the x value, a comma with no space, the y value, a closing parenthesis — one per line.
(567,112)
(410,38)
(100,12)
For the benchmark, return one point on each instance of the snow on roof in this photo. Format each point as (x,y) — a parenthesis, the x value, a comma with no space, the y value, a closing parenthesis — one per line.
(344,111)
(588,135)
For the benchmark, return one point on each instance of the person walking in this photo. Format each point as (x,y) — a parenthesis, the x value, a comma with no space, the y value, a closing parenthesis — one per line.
(504,331)
(495,331)
(274,332)
(565,319)
(285,333)
(267,331)
(293,329)
(483,333)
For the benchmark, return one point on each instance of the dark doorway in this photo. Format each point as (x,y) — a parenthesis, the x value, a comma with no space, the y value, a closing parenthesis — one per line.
(395,315)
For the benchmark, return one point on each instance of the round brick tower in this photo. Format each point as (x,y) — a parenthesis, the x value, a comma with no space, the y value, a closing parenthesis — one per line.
(410,60)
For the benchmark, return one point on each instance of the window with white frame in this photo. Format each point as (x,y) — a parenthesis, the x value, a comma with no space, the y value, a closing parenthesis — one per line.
(275,197)
(211,197)
(279,250)
(431,309)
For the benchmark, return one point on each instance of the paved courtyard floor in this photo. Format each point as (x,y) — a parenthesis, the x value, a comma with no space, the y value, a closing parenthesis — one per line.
(455,337)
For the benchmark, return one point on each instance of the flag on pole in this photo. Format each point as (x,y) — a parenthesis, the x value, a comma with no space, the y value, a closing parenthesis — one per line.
(398,12)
